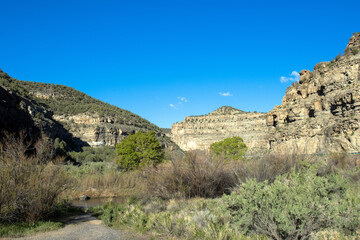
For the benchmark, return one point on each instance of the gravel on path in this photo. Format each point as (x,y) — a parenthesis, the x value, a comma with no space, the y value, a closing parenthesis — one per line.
(82,227)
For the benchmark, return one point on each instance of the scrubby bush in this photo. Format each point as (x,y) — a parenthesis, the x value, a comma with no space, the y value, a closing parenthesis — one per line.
(230,148)
(193,219)
(266,167)
(295,205)
(138,150)
(30,183)
(94,154)
(196,175)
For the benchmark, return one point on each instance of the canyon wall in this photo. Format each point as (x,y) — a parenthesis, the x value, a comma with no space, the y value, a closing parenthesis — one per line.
(320,113)
(198,132)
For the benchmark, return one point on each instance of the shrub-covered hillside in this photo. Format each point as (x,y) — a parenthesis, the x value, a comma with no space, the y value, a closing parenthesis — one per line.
(65,100)
(87,118)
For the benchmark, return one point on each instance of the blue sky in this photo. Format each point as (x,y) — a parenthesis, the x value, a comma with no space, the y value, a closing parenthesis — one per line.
(165,60)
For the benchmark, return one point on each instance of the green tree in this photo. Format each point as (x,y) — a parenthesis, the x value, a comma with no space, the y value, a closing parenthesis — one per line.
(139,149)
(230,148)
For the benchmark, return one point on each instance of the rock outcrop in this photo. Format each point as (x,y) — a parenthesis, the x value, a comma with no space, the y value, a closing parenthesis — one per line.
(321,112)
(318,114)
(199,132)
(20,115)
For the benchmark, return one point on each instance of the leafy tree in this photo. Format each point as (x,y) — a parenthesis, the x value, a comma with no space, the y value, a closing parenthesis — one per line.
(230,148)
(139,149)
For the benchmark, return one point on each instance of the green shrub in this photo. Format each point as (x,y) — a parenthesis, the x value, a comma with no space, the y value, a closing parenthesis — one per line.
(138,150)
(295,205)
(230,148)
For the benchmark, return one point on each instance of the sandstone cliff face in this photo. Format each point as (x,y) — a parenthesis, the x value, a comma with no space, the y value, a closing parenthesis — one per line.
(200,132)
(320,113)
(96,131)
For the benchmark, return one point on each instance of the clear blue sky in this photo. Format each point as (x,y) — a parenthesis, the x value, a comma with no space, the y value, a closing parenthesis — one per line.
(165,60)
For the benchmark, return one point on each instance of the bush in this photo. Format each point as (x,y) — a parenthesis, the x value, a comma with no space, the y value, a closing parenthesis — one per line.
(138,150)
(266,168)
(194,219)
(92,154)
(29,185)
(295,205)
(230,148)
(196,175)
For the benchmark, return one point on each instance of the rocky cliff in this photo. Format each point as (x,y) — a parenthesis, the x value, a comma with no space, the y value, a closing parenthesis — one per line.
(198,132)
(89,120)
(320,113)
(21,115)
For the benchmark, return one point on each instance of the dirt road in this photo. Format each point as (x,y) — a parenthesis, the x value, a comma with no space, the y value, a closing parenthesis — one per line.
(84,227)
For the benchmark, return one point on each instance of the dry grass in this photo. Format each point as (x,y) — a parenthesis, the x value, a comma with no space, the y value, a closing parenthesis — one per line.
(30,182)
(265,168)
(196,175)
(200,175)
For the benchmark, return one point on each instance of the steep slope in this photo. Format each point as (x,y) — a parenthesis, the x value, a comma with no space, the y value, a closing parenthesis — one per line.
(94,122)
(199,132)
(318,114)
(21,115)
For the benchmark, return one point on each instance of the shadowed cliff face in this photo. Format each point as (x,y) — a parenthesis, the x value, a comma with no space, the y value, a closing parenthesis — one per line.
(21,115)
(320,113)
(13,119)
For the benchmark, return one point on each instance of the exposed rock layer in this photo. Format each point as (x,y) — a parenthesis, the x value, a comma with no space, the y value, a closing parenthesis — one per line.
(320,113)
(198,132)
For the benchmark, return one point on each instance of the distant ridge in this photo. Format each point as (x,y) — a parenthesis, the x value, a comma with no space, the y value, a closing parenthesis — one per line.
(94,122)
(225,110)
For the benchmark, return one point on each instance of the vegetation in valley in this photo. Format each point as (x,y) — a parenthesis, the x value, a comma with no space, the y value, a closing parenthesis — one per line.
(316,198)
(196,196)
(200,196)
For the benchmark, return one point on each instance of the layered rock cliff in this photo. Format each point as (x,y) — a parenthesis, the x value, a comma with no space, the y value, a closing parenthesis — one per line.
(320,113)
(198,132)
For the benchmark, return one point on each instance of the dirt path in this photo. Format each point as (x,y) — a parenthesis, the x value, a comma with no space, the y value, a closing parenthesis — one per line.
(84,227)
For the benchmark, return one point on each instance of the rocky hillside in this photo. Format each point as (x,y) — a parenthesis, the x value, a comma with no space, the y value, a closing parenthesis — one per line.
(198,132)
(320,113)
(93,122)
(22,115)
